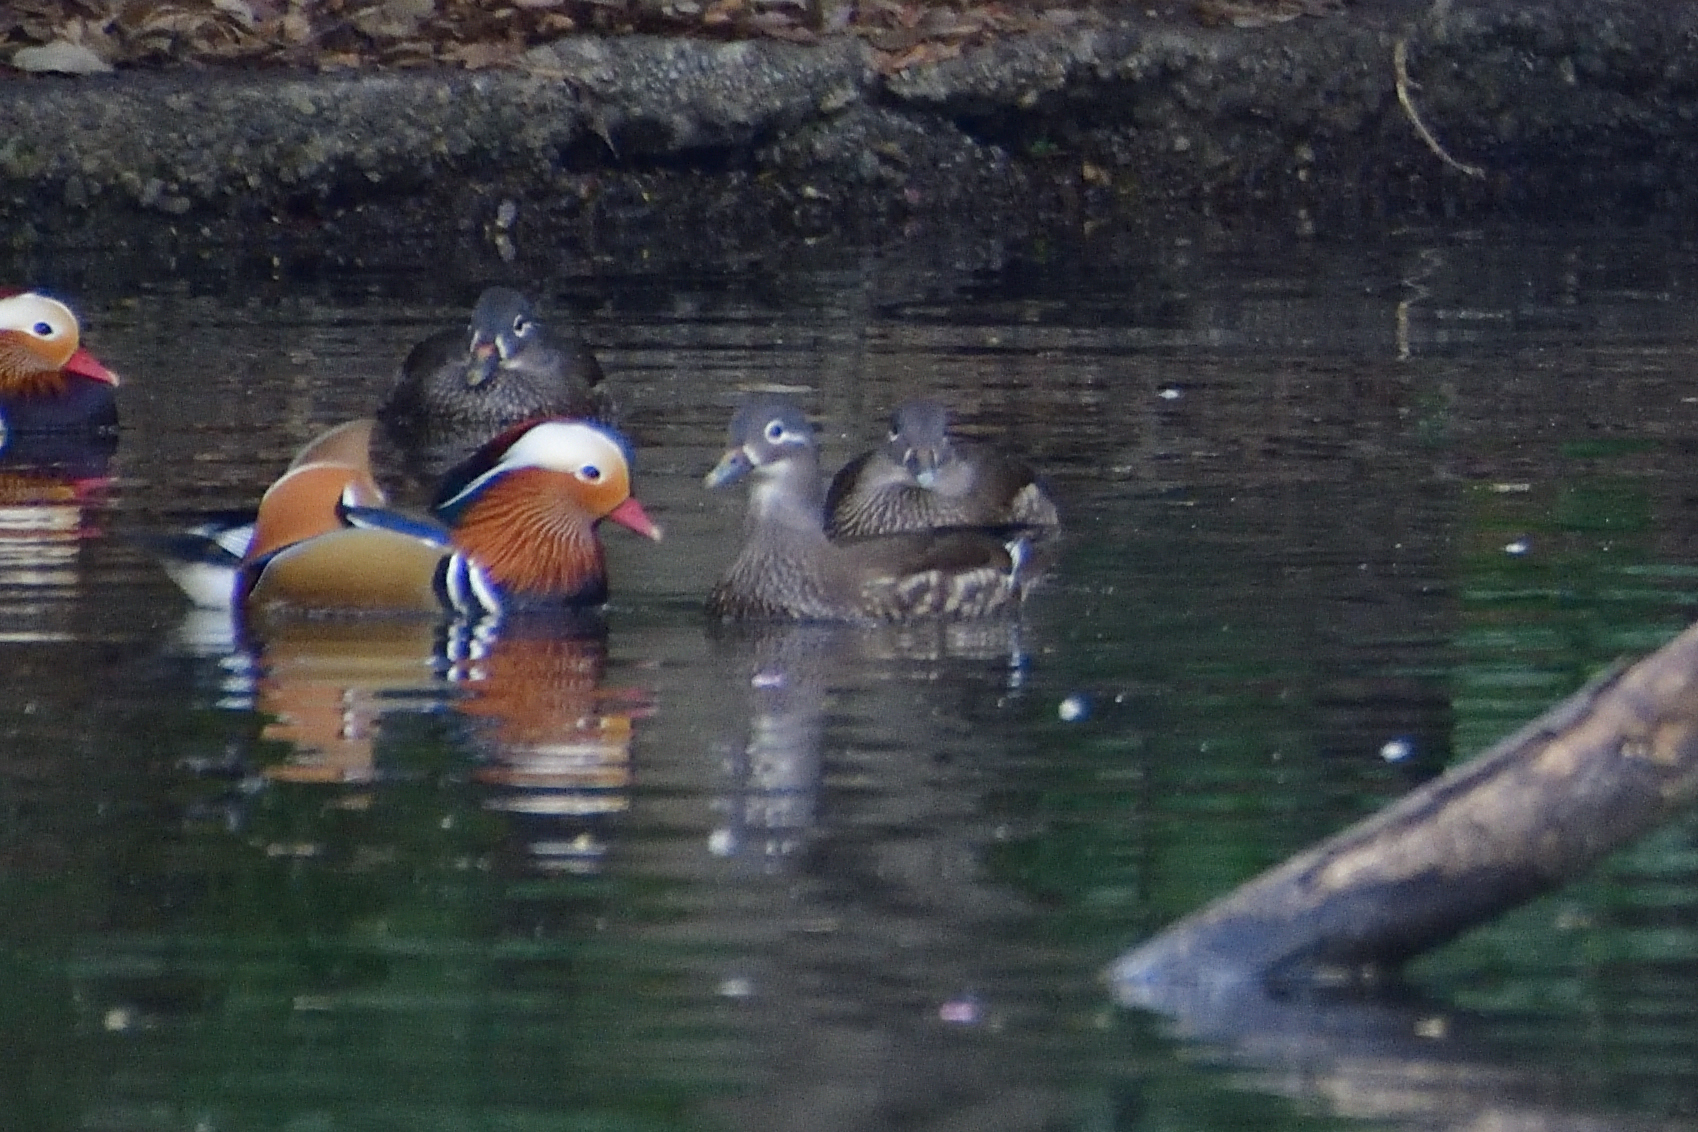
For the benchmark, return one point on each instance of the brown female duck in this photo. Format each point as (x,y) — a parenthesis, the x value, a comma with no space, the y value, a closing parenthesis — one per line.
(921,479)
(458,388)
(789,570)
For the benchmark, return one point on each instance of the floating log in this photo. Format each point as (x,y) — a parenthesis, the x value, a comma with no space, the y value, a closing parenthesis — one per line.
(1535,811)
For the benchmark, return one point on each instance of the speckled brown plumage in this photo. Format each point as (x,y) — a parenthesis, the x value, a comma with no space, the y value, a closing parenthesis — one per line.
(922,479)
(458,388)
(787,569)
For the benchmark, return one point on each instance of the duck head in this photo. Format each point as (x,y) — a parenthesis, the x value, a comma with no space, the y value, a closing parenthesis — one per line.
(523,513)
(506,334)
(40,347)
(772,440)
(919,439)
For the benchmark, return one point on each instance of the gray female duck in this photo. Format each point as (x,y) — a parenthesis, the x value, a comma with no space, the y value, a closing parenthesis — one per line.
(788,569)
(459,388)
(920,479)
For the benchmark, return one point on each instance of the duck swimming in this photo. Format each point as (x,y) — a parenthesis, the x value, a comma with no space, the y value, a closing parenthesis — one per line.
(48,381)
(921,479)
(788,569)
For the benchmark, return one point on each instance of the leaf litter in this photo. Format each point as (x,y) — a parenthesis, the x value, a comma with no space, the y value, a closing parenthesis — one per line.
(86,36)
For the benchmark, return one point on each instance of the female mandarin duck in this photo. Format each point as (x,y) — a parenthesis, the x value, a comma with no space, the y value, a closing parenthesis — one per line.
(920,479)
(788,569)
(458,388)
(48,382)
(515,531)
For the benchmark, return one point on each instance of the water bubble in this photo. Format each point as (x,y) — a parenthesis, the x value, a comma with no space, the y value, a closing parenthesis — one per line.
(1396,750)
(963,1011)
(1074,708)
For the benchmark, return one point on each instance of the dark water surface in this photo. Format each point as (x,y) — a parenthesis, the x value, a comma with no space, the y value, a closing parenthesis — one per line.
(1338,515)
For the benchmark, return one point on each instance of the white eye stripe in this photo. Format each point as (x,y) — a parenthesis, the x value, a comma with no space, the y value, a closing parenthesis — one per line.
(34,314)
(554,446)
(565,446)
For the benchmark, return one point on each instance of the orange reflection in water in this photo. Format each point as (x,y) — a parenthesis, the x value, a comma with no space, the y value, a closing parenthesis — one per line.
(43,526)
(549,744)
(326,685)
(556,744)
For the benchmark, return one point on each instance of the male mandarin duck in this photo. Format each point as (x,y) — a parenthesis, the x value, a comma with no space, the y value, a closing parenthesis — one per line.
(48,382)
(458,388)
(789,570)
(513,531)
(920,479)
(204,561)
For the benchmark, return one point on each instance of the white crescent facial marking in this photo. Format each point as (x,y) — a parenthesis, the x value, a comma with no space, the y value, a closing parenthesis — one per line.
(564,446)
(44,319)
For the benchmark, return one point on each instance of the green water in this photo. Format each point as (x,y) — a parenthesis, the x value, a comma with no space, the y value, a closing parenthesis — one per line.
(1319,499)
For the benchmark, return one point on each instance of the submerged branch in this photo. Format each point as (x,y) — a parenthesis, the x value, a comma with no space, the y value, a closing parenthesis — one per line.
(1537,810)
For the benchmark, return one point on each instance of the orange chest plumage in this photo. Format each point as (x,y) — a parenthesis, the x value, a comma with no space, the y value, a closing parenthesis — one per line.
(532,538)
(24,373)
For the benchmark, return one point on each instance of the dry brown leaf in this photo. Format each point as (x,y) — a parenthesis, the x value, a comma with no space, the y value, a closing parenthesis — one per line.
(791,33)
(392,19)
(295,29)
(1261,13)
(479,56)
(237,10)
(61,58)
(894,39)
(409,53)
(917,55)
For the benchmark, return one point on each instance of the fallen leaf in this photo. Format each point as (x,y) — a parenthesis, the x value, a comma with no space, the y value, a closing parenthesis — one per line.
(60,58)
(479,56)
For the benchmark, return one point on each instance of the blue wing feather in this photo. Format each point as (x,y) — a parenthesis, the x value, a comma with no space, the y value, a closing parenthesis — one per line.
(383,519)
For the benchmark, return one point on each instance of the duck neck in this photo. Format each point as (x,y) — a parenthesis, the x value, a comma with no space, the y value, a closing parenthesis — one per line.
(785,499)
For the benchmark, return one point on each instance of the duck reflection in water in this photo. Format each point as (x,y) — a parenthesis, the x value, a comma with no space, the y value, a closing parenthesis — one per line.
(792,672)
(536,728)
(326,686)
(553,745)
(58,431)
(490,607)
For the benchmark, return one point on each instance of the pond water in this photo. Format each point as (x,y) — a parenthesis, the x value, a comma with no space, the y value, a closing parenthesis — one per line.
(1338,514)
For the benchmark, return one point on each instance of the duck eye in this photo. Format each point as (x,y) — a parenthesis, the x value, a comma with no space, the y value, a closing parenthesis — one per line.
(589,473)
(775,431)
(42,330)
(521,325)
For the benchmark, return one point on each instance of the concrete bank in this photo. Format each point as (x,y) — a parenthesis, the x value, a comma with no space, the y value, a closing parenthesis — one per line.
(1550,109)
